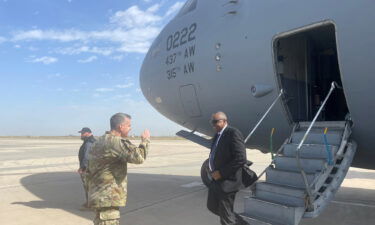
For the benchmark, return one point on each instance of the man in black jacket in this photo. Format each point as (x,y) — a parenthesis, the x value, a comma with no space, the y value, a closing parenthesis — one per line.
(227,157)
(88,140)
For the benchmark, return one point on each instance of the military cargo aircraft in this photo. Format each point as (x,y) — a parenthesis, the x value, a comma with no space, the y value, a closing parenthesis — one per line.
(294,76)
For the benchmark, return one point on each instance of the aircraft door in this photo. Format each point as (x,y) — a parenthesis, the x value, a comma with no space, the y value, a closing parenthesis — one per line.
(189,99)
(306,62)
(294,76)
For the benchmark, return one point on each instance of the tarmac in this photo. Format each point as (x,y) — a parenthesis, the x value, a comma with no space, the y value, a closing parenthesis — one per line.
(39,185)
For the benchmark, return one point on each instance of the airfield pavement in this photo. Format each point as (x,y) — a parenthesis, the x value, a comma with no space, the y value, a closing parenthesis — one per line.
(39,185)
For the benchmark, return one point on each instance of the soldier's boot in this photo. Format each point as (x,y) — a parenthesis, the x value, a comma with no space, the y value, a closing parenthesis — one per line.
(107,222)
(107,216)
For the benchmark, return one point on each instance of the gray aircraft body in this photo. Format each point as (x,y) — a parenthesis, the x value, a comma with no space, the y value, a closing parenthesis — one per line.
(308,64)
(235,56)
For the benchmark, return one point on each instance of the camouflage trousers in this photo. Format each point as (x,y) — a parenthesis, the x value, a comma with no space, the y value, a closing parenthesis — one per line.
(107,216)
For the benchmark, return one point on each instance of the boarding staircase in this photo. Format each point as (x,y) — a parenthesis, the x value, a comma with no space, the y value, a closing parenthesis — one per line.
(300,182)
(305,174)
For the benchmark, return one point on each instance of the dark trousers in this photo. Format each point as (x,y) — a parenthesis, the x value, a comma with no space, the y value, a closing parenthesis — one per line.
(221,204)
(85,185)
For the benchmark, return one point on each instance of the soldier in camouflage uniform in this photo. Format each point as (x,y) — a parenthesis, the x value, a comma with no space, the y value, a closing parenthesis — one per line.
(108,169)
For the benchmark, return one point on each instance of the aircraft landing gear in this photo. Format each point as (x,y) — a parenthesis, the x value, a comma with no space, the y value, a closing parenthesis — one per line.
(206,178)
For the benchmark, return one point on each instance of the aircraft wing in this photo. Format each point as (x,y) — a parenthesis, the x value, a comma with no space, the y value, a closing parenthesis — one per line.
(194,138)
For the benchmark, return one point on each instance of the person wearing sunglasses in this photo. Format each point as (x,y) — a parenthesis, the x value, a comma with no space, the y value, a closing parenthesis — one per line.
(227,156)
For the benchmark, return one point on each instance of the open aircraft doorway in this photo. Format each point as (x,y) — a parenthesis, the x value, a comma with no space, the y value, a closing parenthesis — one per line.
(306,63)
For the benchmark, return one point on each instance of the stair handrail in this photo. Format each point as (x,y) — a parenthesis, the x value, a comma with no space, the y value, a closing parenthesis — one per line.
(273,160)
(308,190)
(344,142)
(264,115)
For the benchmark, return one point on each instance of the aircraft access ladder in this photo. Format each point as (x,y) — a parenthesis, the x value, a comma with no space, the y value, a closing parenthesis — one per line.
(283,199)
(305,174)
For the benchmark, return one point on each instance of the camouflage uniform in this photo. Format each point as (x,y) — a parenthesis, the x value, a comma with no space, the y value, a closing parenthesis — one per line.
(107,177)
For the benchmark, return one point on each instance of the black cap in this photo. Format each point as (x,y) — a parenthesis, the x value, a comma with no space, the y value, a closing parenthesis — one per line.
(84,130)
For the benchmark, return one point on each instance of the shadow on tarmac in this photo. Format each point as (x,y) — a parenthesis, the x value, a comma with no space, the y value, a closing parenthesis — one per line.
(63,190)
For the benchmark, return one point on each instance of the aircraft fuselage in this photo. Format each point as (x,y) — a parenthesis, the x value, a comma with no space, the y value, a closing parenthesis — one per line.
(235,57)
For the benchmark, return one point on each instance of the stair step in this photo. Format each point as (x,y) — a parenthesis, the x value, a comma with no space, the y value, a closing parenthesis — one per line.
(284,214)
(281,198)
(328,194)
(324,124)
(253,220)
(317,137)
(280,194)
(288,178)
(291,164)
(309,150)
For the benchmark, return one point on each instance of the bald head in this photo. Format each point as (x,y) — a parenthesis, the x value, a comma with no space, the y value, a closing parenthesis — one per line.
(219,121)
(219,115)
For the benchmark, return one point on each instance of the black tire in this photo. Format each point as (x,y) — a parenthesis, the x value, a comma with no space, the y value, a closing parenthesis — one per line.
(204,173)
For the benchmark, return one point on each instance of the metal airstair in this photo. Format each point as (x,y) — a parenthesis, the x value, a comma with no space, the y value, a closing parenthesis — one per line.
(305,174)
(284,198)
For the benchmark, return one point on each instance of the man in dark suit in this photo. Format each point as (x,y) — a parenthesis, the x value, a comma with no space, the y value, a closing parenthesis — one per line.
(227,156)
(88,140)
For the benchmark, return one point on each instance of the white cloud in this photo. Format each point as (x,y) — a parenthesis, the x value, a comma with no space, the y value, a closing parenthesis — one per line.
(121,96)
(85,49)
(56,75)
(2,39)
(37,34)
(89,59)
(33,49)
(17,46)
(134,40)
(104,89)
(138,90)
(45,60)
(117,57)
(125,85)
(133,17)
(174,8)
(133,30)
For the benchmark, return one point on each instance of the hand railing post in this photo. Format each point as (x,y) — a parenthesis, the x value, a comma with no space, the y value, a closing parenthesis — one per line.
(257,125)
(308,190)
(264,115)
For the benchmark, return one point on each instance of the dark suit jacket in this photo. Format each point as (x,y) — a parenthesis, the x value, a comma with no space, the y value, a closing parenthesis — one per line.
(84,150)
(230,155)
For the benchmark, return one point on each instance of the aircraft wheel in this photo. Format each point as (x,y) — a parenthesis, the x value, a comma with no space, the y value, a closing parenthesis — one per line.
(206,179)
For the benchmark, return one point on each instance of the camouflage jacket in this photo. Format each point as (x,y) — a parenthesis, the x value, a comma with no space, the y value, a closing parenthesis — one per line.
(107,176)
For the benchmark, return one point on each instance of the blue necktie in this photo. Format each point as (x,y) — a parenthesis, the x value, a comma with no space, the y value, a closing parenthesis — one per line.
(213,152)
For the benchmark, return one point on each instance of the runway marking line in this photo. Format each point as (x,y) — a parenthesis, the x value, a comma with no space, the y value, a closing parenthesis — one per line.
(193,184)
(354,204)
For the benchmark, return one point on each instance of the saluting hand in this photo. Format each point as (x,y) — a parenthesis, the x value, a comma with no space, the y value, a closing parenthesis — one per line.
(145,134)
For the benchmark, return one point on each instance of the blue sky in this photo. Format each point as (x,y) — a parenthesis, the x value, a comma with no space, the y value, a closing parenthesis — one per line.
(65,64)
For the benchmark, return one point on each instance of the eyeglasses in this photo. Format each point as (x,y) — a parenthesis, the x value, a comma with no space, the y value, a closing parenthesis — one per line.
(213,122)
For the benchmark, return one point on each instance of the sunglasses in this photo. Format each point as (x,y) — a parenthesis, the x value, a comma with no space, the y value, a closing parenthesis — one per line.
(213,122)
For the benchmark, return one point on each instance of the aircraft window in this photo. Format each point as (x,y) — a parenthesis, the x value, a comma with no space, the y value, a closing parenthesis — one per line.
(188,7)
